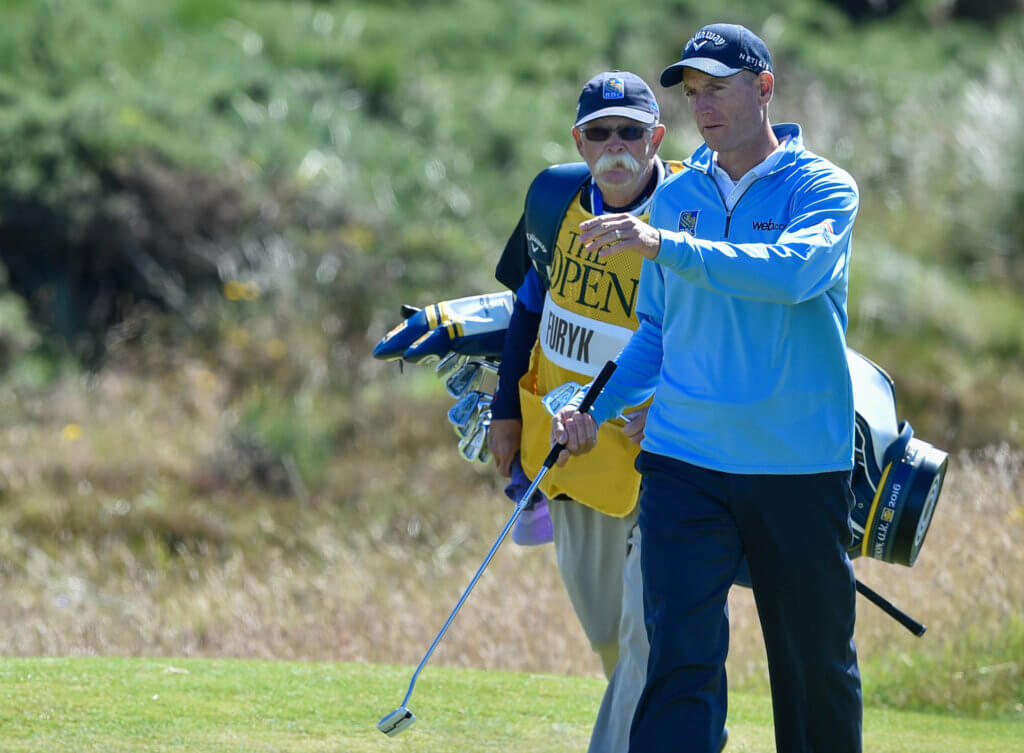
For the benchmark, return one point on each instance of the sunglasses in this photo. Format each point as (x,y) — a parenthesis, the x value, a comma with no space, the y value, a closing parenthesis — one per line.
(626,133)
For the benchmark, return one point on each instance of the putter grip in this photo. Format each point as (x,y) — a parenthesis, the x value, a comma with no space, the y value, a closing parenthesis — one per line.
(588,400)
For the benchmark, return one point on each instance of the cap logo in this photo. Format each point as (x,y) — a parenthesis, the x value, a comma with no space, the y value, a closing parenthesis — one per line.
(614,88)
(703,37)
(754,62)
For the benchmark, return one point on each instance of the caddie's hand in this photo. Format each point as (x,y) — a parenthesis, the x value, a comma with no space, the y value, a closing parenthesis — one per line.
(503,441)
(635,422)
(577,431)
(611,234)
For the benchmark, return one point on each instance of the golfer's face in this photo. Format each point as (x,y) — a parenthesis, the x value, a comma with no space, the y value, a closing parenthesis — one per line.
(728,111)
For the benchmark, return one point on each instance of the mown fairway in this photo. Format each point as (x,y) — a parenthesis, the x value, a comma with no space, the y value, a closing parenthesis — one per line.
(216,706)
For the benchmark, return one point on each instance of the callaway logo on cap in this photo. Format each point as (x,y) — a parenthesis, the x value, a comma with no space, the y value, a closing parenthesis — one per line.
(720,50)
(619,93)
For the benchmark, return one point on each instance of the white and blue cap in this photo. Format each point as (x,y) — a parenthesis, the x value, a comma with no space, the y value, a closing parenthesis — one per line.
(720,50)
(618,93)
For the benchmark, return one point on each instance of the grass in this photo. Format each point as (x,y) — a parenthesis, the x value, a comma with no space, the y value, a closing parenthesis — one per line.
(220,706)
(253,485)
(145,532)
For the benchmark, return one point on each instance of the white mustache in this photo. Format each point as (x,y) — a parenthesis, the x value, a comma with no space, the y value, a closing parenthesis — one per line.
(622,160)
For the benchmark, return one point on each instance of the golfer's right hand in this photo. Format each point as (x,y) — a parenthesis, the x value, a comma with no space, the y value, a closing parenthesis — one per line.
(577,431)
(503,440)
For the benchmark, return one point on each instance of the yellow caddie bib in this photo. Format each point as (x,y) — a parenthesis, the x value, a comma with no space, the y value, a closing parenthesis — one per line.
(589,314)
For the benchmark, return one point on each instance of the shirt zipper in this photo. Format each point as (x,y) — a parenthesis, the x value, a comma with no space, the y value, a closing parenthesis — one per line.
(725,206)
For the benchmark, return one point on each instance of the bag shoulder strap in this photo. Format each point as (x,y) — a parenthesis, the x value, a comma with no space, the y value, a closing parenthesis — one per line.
(547,200)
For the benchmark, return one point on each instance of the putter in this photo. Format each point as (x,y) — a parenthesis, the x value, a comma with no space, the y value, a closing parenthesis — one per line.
(402,718)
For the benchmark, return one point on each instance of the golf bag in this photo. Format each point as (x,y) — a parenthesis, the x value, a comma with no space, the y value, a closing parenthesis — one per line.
(896,479)
(896,476)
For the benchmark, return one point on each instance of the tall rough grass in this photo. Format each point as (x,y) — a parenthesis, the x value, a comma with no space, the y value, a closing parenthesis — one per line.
(115,540)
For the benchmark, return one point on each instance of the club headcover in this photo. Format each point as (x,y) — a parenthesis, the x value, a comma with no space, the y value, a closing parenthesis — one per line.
(474,326)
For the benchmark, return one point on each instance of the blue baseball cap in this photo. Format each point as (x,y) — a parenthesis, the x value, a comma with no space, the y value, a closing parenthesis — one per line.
(720,50)
(617,93)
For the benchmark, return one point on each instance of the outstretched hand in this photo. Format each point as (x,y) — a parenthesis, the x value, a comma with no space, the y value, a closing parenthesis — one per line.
(577,431)
(611,234)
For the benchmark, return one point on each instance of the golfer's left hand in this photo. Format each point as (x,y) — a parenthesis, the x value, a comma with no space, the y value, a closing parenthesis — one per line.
(635,423)
(611,234)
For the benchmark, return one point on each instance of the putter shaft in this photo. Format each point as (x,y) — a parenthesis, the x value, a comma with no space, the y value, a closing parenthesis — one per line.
(520,506)
(401,718)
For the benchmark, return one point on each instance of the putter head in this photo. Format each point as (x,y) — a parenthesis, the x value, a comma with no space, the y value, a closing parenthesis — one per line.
(396,722)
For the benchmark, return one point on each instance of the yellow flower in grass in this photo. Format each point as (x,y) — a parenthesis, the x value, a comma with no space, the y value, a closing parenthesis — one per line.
(276,349)
(206,380)
(236,290)
(71,433)
(238,337)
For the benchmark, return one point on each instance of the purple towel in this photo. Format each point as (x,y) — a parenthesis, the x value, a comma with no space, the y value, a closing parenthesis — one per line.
(533,526)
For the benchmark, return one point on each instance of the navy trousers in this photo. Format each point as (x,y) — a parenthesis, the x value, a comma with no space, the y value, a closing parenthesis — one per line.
(697,525)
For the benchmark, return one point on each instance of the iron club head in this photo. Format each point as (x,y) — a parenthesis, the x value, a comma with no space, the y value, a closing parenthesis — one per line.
(396,722)
(449,364)
(464,379)
(463,410)
(474,441)
(560,396)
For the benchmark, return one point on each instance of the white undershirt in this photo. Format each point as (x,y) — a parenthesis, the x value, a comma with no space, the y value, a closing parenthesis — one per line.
(732,190)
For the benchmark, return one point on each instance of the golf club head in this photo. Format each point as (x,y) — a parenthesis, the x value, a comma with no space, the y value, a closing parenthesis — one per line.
(481,417)
(467,377)
(474,441)
(450,363)
(460,414)
(396,722)
(483,455)
(489,366)
(559,397)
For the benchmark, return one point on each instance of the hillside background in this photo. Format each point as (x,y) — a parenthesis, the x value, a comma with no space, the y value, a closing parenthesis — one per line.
(212,209)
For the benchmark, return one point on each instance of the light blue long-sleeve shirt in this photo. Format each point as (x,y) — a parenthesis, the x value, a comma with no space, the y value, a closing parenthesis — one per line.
(743,320)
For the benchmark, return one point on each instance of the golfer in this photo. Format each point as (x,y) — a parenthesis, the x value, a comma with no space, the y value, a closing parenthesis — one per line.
(573,312)
(749,441)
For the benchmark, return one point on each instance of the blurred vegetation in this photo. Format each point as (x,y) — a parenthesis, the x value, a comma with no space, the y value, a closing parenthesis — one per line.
(340,159)
(213,208)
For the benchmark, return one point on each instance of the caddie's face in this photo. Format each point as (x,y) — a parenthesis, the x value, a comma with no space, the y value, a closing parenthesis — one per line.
(730,112)
(615,159)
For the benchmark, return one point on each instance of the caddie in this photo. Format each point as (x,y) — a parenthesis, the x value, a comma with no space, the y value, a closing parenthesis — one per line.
(573,312)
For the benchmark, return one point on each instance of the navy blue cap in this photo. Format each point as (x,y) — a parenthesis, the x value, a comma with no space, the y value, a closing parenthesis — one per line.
(720,50)
(618,93)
